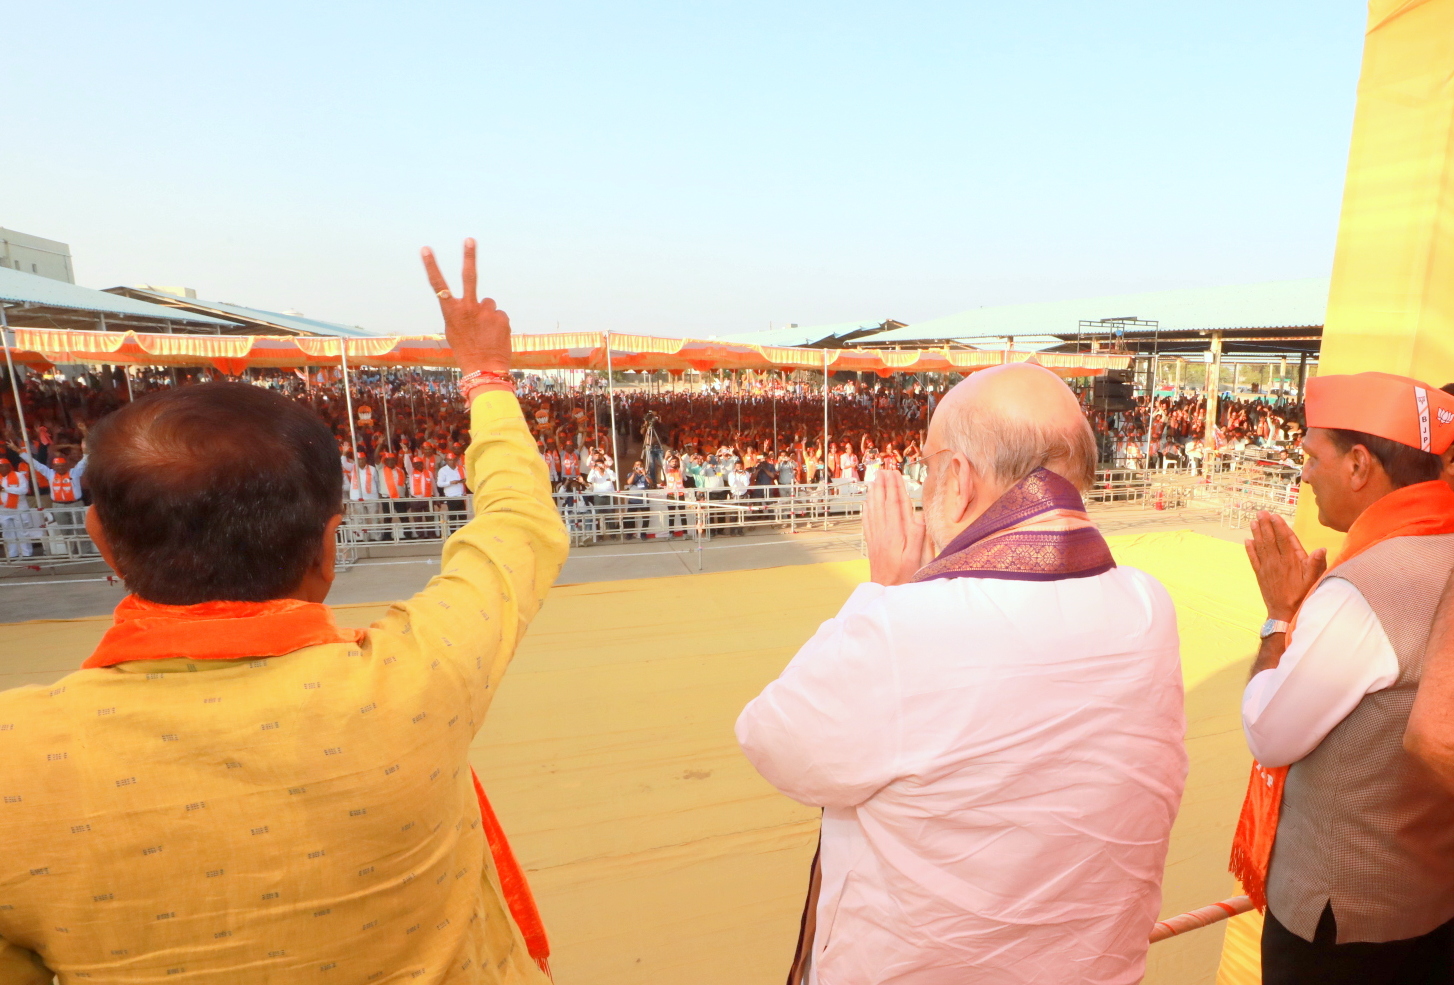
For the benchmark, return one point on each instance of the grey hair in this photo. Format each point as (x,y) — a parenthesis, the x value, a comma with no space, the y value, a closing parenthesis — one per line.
(1008,448)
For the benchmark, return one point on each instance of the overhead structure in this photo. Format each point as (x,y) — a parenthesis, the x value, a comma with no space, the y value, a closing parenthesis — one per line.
(817,336)
(247,321)
(1271,318)
(32,301)
(232,354)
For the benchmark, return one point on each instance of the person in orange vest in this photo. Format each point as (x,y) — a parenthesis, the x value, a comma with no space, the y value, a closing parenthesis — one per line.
(66,518)
(393,486)
(421,489)
(14,487)
(363,491)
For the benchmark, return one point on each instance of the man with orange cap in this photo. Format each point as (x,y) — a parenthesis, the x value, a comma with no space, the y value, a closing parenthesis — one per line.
(1345,839)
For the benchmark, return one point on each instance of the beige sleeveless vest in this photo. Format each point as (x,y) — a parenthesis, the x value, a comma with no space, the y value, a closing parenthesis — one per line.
(1364,825)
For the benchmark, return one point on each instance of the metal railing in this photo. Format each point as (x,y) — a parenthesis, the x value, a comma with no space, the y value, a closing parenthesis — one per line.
(1245,485)
(55,536)
(702,514)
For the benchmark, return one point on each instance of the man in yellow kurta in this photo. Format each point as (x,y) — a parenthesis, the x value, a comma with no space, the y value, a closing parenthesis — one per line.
(236,790)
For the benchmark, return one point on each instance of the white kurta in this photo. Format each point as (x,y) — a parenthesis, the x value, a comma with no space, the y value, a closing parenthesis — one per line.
(1000,763)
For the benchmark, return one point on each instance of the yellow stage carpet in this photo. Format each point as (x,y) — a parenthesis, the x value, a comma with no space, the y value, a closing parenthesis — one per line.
(658,855)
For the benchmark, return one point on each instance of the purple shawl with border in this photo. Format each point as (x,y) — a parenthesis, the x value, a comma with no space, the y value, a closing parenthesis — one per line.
(992,547)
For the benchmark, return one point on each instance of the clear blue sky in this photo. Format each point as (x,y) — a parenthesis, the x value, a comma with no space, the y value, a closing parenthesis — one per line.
(680,168)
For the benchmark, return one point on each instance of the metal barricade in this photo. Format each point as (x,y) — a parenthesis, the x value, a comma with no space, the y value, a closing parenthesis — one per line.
(399,521)
(52,536)
(593,518)
(1246,485)
(55,536)
(1237,485)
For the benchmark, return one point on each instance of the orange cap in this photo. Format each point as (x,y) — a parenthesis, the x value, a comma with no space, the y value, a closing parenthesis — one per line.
(1393,407)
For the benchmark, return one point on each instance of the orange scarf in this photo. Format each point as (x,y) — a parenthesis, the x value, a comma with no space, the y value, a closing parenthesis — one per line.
(237,630)
(1424,509)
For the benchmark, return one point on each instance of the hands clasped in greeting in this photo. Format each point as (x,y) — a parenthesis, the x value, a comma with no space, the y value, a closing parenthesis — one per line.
(1285,572)
(897,544)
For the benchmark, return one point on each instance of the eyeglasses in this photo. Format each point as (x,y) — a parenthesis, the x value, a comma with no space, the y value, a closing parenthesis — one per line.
(933,454)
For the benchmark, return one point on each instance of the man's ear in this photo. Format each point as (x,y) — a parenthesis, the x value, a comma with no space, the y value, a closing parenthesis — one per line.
(98,537)
(1361,465)
(965,485)
(328,549)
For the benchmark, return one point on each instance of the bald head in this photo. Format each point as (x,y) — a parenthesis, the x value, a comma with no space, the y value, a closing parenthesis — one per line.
(1011,420)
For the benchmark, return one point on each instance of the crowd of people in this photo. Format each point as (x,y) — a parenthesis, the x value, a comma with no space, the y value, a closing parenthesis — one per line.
(402,434)
(1175,436)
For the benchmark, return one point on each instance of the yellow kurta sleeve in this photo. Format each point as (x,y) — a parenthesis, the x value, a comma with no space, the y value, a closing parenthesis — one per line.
(496,570)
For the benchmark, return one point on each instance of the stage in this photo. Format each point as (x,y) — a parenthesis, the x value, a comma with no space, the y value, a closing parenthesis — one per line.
(657,854)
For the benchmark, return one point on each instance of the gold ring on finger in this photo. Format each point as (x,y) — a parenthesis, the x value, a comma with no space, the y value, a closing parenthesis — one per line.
(444,295)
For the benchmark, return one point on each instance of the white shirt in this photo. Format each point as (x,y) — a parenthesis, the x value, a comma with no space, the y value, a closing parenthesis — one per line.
(1000,762)
(451,482)
(77,471)
(1337,654)
(365,484)
(602,480)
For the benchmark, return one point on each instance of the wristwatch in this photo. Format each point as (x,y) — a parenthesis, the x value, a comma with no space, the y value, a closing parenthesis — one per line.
(1273,626)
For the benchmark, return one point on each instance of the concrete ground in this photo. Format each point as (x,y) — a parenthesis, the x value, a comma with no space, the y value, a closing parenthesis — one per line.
(88,591)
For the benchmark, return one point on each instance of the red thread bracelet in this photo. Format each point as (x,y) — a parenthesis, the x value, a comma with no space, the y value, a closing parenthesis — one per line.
(480,378)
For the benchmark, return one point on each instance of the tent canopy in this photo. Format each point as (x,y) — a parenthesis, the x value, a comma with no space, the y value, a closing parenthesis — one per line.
(566,350)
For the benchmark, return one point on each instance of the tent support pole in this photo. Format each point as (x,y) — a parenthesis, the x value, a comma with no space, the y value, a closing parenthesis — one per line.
(775,452)
(1213,393)
(823,466)
(384,397)
(348,403)
(175,380)
(611,403)
(9,340)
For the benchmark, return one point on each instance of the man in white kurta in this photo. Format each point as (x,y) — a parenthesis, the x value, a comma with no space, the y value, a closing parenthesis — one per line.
(999,760)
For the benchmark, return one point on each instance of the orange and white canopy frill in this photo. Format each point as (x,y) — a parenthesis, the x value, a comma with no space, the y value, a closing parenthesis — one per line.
(232,354)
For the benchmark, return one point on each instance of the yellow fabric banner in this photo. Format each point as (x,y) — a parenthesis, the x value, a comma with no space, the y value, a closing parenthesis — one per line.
(1391,306)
